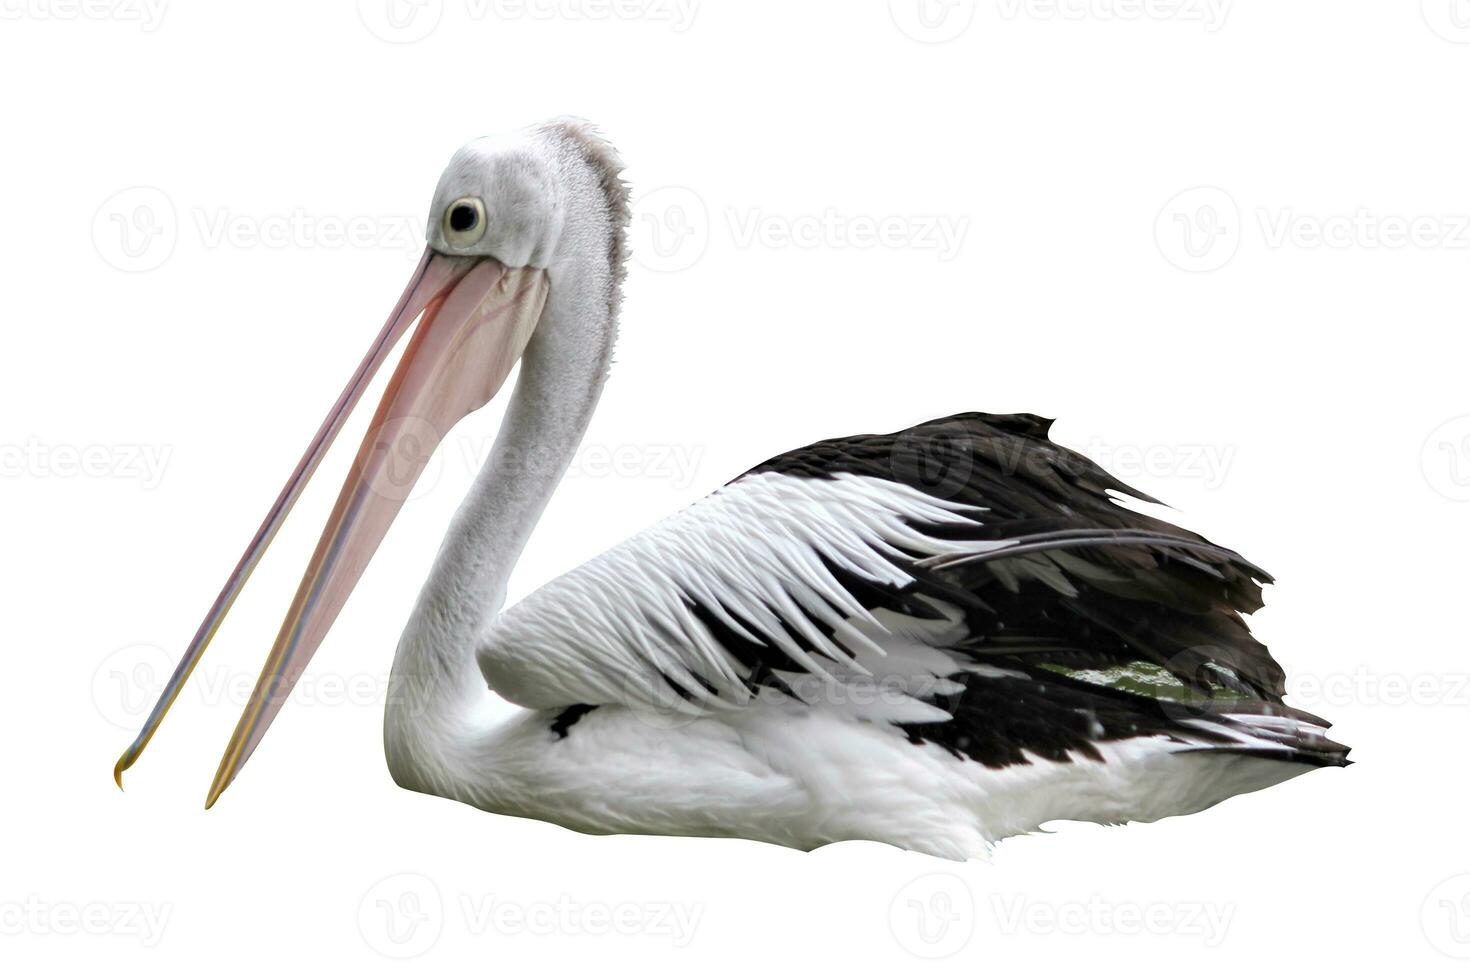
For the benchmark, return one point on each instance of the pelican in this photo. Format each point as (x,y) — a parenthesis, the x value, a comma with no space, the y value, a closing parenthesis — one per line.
(935,638)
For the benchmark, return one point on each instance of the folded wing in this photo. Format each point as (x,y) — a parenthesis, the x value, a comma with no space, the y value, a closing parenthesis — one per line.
(963,546)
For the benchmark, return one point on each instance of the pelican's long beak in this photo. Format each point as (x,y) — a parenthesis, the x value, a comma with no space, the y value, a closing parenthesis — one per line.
(475,318)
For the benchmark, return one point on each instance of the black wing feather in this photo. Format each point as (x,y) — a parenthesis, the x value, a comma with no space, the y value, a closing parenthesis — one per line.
(1083,581)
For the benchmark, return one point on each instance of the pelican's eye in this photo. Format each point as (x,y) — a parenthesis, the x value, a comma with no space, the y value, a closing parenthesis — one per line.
(464,222)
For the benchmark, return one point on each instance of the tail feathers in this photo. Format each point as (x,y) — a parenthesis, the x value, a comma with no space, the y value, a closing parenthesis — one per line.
(1267,730)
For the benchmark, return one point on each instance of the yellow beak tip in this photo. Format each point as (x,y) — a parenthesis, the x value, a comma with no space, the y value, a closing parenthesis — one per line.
(215,792)
(123,762)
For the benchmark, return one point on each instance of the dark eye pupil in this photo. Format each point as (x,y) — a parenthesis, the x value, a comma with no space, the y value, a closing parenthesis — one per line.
(462,217)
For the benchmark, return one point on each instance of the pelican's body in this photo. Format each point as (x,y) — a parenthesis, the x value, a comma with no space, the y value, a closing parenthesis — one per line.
(936,638)
(675,684)
(803,780)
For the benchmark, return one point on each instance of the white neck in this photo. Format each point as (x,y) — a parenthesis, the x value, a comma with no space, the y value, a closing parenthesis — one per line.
(436,690)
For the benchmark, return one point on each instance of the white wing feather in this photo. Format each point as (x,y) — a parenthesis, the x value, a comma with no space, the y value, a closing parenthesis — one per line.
(755,554)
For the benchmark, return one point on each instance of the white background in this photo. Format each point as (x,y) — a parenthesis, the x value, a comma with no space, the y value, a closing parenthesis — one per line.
(1225,244)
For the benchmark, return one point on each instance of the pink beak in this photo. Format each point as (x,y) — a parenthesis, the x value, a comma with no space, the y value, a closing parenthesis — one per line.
(477,317)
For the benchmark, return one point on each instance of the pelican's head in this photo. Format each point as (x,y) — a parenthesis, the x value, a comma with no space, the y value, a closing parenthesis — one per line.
(525,240)
(499,198)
